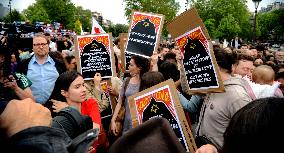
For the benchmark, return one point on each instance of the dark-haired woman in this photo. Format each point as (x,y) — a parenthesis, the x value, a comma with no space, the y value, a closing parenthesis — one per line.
(70,90)
(137,67)
(70,62)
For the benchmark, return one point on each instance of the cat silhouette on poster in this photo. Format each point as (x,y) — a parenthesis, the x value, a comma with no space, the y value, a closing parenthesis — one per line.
(95,45)
(192,49)
(159,109)
(144,27)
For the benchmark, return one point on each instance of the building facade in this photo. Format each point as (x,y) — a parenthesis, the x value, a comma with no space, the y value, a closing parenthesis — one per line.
(3,11)
(272,6)
(99,17)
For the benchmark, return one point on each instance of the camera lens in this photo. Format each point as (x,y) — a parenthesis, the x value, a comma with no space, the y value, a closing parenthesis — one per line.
(72,122)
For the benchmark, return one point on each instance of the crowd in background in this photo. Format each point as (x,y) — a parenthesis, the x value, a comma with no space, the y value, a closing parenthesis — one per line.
(46,74)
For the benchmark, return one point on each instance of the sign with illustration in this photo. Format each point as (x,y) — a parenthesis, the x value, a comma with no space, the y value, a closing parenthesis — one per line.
(144,33)
(186,21)
(162,101)
(199,62)
(95,54)
(107,112)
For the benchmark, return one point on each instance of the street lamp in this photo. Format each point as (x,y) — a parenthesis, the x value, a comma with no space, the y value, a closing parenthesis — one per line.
(256,4)
(10,5)
(186,4)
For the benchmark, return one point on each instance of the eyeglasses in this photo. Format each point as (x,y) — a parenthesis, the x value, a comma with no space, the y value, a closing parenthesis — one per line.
(40,44)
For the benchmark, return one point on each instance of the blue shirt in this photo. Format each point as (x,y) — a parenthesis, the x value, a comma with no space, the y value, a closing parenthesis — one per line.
(43,77)
(191,105)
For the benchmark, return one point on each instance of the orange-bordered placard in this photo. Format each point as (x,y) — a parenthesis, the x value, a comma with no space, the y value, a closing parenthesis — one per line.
(199,63)
(95,55)
(162,100)
(144,33)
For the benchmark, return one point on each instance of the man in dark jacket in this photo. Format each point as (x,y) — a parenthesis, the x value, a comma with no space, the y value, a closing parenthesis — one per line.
(42,69)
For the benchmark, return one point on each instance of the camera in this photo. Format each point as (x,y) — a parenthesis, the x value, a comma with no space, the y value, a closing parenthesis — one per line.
(72,122)
(69,119)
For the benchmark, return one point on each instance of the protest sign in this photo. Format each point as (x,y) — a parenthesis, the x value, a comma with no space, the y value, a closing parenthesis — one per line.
(108,111)
(144,33)
(95,54)
(199,61)
(162,101)
(122,43)
(186,21)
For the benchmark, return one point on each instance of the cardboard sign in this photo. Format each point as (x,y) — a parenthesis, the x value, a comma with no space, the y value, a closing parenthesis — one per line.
(162,101)
(144,33)
(122,43)
(109,110)
(95,54)
(186,21)
(199,68)
(199,61)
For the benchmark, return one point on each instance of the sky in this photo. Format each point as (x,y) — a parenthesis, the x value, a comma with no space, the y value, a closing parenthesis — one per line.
(114,9)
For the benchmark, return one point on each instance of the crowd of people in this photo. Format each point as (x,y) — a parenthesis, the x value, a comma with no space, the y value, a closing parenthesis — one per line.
(38,84)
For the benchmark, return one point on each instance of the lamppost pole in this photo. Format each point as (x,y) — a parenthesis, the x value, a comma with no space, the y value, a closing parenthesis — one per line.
(256,4)
(254,26)
(186,4)
(10,5)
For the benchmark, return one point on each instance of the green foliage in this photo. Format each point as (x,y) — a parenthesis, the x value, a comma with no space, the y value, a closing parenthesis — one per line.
(220,9)
(59,10)
(271,23)
(77,28)
(210,25)
(228,27)
(14,16)
(117,29)
(168,8)
(85,17)
(35,12)
(63,11)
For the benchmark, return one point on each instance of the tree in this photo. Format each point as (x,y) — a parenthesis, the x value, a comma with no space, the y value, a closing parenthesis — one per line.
(117,29)
(219,9)
(228,27)
(271,23)
(77,28)
(168,8)
(210,25)
(14,16)
(35,12)
(62,11)
(84,16)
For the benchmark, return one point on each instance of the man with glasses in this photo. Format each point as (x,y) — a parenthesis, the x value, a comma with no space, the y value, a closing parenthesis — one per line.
(42,69)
